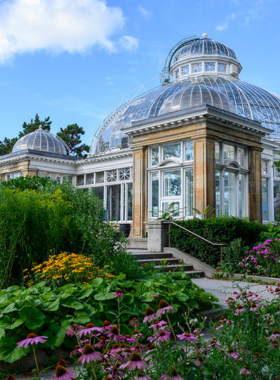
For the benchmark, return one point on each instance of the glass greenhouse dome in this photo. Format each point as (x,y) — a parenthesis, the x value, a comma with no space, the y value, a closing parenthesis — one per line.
(222,90)
(41,140)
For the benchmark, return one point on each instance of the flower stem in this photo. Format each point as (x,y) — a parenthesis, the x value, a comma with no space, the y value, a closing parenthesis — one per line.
(93,372)
(36,363)
(172,330)
(119,325)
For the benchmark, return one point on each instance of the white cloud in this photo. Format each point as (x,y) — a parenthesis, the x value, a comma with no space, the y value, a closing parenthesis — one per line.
(57,26)
(144,11)
(222,26)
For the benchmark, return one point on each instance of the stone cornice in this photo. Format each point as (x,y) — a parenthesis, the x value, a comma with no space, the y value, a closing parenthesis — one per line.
(194,115)
(104,157)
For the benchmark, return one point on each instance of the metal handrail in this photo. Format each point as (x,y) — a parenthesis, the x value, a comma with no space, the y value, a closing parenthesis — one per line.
(221,245)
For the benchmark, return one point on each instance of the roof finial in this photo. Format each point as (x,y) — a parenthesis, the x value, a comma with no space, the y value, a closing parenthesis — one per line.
(204,35)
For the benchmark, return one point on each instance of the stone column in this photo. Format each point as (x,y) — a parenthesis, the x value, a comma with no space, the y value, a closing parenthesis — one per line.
(204,173)
(157,235)
(140,192)
(255,184)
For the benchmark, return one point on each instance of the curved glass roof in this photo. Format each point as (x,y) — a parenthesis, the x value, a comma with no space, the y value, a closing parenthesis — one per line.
(196,95)
(40,140)
(205,46)
(248,100)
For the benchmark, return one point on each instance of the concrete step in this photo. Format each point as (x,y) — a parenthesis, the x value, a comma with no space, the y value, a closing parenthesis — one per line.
(148,255)
(174,268)
(157,261)
(138,243)
(195,273)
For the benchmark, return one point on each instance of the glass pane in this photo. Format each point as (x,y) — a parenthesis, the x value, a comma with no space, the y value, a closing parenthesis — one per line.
(164,207)
(172,183)
(217,152)
(80,180)
(113,202)
(189,192)
(228,152)
(129,201)
(196,67)
(155,156)
(185,70)
(111,175)
(276,191)
(229,194)
(155,194)
(99,191)
(265,198)
(276,173)
(124,174)
(100,177)
(189,151)
(242,196)
(241,157)
(172,151)
(264,167)
(222,68)
(218,193)
(209,66)
(90,179)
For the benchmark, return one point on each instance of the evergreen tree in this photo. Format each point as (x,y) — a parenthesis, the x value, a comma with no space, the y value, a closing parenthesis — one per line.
(71,135)
(34,124)
(6,146)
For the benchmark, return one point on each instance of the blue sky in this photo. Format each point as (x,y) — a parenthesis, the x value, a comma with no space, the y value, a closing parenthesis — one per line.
(72,59)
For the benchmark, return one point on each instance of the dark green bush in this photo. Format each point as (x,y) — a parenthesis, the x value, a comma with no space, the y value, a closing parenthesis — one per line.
(218,230)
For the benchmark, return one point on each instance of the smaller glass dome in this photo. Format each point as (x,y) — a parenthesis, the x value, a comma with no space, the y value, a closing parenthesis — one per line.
(41,140)
(205,46)
(196,95)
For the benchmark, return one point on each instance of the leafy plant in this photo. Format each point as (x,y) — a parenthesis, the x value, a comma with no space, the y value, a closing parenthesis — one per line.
(206,213)
(232,255)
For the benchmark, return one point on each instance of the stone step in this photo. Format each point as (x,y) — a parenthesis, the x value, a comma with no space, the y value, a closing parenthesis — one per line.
(195,273)
(157,261)
(138,243)
(174,268)
(149,255)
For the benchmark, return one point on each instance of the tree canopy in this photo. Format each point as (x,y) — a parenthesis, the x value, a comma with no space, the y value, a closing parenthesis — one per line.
(71,135)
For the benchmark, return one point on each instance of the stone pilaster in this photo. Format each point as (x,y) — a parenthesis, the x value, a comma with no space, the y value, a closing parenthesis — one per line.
(204,173)
(255,184)
(140,192)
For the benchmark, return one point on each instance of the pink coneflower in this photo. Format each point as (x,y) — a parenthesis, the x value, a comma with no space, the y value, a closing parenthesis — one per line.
(77,350)
(274,343)
(136,334)
(151,348)
(135,361)
(164,307)
(245,371)
(149,315)
(114,332)
(173,375)
(219,326)
(63,373)
(254,306)
(158,324)
(118,293)
(89,355)
(230,321)
(275,334)
(142,376)
(134,322)
(129,339)
(89,329)
(187,337)
(74,329)
(163,336)
(155,295)
(239,309)
(102,341)
(230,300)
(32,339)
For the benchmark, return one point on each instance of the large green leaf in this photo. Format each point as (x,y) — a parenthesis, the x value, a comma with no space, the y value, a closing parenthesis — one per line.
(55,335)
(52,306)
(96,282)
(80,317)
(9,350)
(89,310)
(10,308)
(72,303)
(32,317)
(103,297)
(85,293)
(9,322)
(128,299)
(182,297)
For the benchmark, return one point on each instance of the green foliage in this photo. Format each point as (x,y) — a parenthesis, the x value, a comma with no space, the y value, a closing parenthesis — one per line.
(232,255)
(217,230)
(28,183)
(207,213)
(47,312)
(34,124)
(71,135)
(6,146)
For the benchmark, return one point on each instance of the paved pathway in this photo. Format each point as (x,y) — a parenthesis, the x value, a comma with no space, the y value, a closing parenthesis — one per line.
(224,289)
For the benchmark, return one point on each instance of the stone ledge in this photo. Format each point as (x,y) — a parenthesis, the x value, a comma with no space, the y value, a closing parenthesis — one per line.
(258,278)
(188,259)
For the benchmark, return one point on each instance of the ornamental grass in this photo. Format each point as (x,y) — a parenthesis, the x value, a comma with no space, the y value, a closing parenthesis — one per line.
(65,268)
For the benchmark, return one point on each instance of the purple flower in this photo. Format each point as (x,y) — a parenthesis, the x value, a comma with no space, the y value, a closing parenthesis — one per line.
(142,376)
(32,339)
(164,307)
(187,337)
(118,293)
(134,322)
(149,315)
(89,329)
(158,324)
(114,332)
(89,355)
(135,361)
(62,373)
(74,329)
(155,295)
(245,371)
(173,375)
(163,336)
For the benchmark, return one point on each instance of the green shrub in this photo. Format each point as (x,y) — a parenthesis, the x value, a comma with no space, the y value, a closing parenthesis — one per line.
(27,183)
(232,255)
(217,230)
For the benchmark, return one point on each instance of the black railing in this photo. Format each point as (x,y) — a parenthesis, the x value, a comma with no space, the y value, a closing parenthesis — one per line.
(221,245)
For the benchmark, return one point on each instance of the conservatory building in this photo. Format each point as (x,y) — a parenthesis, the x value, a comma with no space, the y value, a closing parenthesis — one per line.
(202,138)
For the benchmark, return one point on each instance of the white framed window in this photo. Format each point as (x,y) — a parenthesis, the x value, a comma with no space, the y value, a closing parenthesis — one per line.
(171,183)
(124,174)
(222,68)
(12,175)
(155,156)
(185,70)
(173,150)
(189,151)
(209,66)
(112,175)
(197,67)
(177,73)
